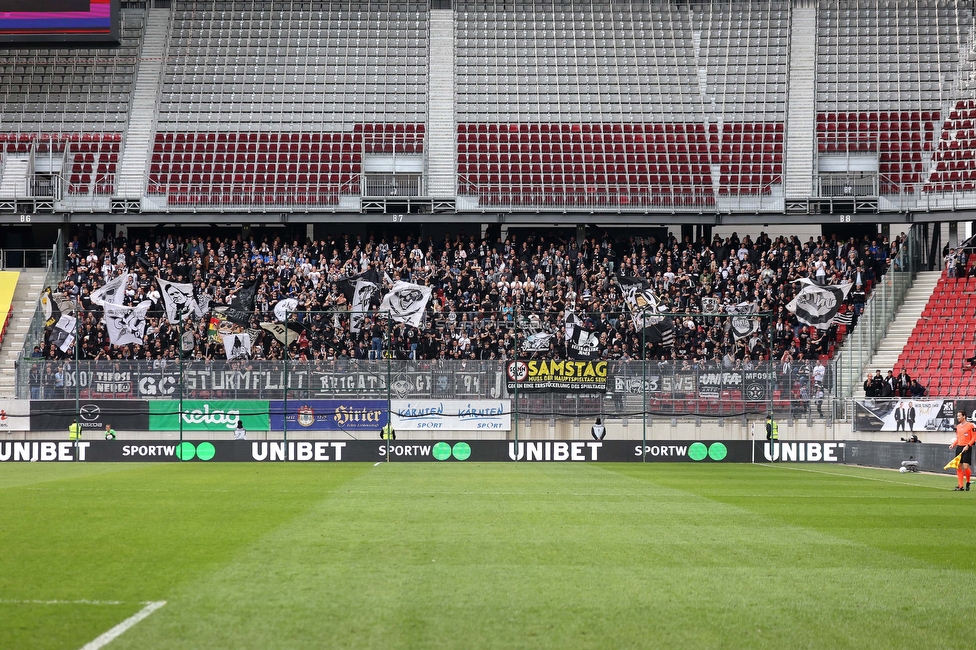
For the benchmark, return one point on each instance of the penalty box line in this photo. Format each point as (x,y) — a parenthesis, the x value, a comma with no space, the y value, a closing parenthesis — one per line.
(120,629)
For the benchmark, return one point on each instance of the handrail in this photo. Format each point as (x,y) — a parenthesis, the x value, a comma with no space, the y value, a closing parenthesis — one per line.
(6,324)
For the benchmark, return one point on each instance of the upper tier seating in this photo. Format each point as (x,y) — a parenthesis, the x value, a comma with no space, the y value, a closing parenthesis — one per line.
(899,139)
(257,66)
(271,168)
(624,165)
(70,89)
(955,159)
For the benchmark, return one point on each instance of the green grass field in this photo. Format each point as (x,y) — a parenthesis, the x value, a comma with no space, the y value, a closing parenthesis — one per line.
(473,556)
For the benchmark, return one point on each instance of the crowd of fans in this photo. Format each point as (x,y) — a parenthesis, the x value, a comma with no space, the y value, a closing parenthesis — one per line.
(480,289)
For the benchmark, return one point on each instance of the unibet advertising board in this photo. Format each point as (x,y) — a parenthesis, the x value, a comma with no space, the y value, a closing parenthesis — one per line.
(209,415)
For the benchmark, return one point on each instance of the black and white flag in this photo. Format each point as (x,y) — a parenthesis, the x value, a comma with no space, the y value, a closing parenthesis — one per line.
(641,301)
(570,322)
(63,334)
(112,292)
(50,307)
(817,305)
(242,306)
(743,325)
(406,303)
(585,344)
(285,333)
(237,346)
(187,341)
(537,342)
(178,300)
(284,307)
(709,305)
(844,318)
(649,315)
(126,325)
(363,296)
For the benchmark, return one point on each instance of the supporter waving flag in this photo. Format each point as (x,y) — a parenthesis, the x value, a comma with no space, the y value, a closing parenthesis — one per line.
(742,325)
(284,307)
(285,333)
(126,325)
(818,305)
(584,345)
(362,292)
(242,306)
(113,291)
(178,300)
(647,311)
(406,303)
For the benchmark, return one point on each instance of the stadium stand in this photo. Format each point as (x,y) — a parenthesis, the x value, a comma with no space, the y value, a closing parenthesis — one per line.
(885,74)
(556,105)
(668,130)
(478,285)
(944,336)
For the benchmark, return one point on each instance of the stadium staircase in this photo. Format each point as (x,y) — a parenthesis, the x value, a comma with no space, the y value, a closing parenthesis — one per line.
(13,177)
(889,355)
(138,134)
(440,100)
(801,107)
(29,286)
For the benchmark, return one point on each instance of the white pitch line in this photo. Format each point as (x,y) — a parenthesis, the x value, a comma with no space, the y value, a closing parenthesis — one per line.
(62,602)
(123,627)
(379,463)
(865,478)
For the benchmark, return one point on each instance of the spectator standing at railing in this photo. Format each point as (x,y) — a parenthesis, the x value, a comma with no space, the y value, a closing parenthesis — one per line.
(950,263)
(903,384)
(34,381)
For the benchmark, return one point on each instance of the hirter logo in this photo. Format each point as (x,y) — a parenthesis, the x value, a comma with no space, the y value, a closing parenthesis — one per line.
(3,415)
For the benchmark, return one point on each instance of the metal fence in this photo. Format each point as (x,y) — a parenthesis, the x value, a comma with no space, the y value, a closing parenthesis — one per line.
(621,389)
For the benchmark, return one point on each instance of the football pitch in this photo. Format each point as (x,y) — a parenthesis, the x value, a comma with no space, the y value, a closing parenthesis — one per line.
(420,555)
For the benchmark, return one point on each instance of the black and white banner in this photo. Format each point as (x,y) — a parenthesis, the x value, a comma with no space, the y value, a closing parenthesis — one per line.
(63,334)
(284,307)
(178,300)
(242,306)
(363,295)
(537,342)
(113,291)
(237,346)
(406,303)
(570,322)
(126,325)
(742,324)
(817,305)
(285,333)
(709,305)
(585,344)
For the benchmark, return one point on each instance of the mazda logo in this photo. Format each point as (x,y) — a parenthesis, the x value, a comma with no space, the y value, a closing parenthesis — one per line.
(89,412)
